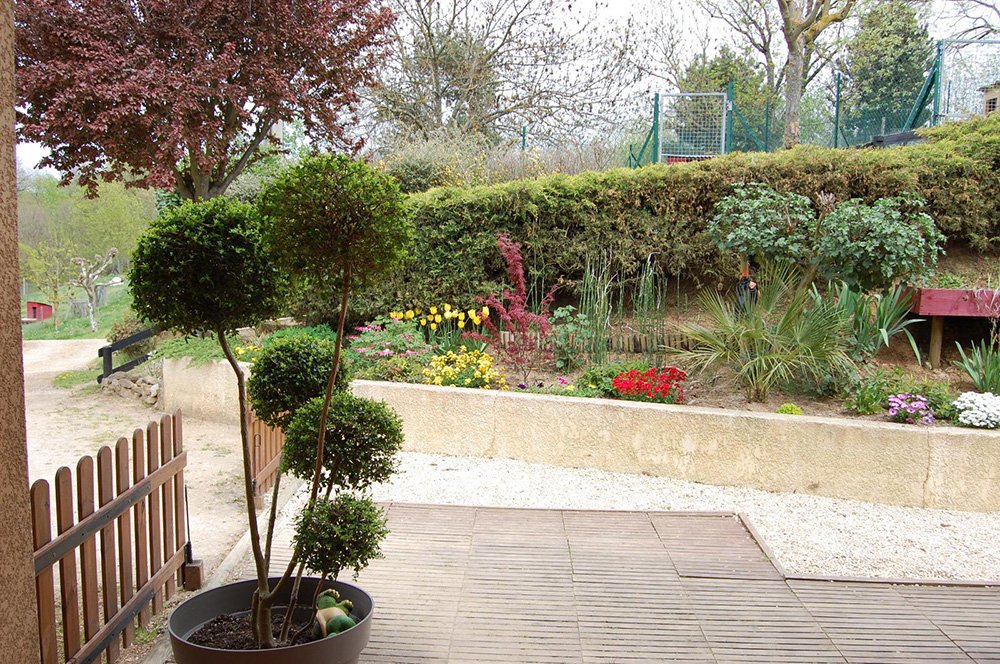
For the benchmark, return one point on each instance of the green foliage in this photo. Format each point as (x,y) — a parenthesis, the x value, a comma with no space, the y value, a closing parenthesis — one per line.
(598,378)
(362,439)
(205,266)
(288,373)
(884,68)
(982,364)
(662,211)
(784,337)
(874,318)
(126,326)
(201,349)
(312,331)
(875,245)
(343,533)
(789,409)
(869,393)
(570,334)
(390,350)
(332,217)
(869,246)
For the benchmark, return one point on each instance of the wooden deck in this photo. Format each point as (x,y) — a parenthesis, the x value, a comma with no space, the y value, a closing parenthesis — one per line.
(466,584)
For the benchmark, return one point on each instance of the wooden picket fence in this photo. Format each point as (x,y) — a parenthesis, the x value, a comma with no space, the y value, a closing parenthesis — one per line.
(121,556)
(265,456)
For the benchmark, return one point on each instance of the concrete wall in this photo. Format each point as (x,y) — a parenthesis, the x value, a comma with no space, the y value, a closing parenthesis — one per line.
(943,467)
(206,391)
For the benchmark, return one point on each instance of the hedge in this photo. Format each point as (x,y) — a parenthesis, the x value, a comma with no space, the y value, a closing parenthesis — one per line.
(661,211)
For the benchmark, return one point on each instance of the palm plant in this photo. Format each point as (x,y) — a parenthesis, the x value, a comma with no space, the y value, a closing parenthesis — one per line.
(781,337)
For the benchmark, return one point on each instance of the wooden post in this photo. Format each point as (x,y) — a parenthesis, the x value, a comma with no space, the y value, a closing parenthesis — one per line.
(937,337)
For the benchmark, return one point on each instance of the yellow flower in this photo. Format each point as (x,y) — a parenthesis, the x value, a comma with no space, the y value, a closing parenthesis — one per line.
(461,315)
(409,314)
(570,388)
(423,321)
(486,312)
(434,326)
(437,318)
(461,324)
(418,311)
(477,320)
(472,313)
(447,307)
(434,310)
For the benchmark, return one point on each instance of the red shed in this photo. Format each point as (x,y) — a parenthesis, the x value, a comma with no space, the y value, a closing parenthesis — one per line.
(38,311)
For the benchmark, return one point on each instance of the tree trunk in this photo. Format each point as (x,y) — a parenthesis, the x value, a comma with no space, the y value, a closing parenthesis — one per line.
(794,81)
(90,312)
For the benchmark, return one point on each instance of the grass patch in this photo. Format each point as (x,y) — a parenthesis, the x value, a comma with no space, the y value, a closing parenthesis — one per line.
(119,303)
(76,377)
(201,350)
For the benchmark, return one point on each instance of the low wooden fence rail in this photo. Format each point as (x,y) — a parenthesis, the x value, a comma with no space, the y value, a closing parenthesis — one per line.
(106,353)
(121,555)
(265,456)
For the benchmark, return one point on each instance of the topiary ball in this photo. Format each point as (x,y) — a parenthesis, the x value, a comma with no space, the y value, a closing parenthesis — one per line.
(205,266)
(362,439)
(343,533)
(289,372)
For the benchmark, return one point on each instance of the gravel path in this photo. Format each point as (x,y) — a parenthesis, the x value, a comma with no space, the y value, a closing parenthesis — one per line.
(808,534)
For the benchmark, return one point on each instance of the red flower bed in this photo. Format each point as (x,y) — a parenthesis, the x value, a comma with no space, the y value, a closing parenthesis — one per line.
(659,385)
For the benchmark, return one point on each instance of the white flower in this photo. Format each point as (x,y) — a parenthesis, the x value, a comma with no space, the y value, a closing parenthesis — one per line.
(980,410)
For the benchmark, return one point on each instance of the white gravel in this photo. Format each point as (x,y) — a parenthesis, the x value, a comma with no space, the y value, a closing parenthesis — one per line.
(808,534)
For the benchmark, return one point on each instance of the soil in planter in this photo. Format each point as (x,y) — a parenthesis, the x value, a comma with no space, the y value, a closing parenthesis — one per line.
(233,632)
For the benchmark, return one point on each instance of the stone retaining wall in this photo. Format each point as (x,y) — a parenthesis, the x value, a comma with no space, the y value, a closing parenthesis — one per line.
(942,467)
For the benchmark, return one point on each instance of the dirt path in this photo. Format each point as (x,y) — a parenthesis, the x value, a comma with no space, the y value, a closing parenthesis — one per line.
(65,424)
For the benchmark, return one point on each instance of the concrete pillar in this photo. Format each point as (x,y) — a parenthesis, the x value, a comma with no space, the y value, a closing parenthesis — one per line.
(19,636)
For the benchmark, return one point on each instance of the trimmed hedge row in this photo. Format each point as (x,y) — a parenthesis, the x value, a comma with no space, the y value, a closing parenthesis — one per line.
(662,211)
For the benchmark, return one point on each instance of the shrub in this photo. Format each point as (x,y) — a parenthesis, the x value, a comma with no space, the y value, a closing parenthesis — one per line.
(655,385)
(527,346)
(782,337)
(980,410)
(789,409)
(870,393)
(343,533)
(600,378)
(391,350)
(205,267)
(362,436)
(663,211)
(288,373)
(465,368)
(125,328)
(571,335)
(982,364)
(909,408)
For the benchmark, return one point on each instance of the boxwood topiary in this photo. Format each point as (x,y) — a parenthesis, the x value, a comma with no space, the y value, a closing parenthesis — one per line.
(290,371)
(362,439)
(343,533)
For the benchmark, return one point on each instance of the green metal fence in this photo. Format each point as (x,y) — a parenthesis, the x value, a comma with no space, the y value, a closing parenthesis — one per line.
(952,89)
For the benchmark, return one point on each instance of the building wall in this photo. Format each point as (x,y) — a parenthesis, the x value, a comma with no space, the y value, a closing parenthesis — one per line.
(19,637)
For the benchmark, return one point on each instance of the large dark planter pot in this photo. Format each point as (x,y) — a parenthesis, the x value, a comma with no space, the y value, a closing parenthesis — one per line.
(343,648)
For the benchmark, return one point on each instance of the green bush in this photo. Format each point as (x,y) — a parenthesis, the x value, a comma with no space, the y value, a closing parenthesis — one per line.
(362,439)
(663,211)
(343,533)
(205,267)
(869,394)
(289,372)
(789,409)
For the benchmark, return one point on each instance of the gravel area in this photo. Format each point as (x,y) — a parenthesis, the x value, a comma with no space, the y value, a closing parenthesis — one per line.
(808,534)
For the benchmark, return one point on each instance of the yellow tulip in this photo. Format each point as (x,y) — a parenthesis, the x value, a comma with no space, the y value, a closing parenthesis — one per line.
(434,310)
(472,313)
(434,326)
(486,312)
(461,324)
(461,315)
(437,318)
(447,307)
(409,314)
(423,321)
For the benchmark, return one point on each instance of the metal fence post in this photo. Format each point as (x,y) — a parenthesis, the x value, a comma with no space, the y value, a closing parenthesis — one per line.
(656,128)
(836,115)
(939,62)
(730,104)
(524,137)
(767,126)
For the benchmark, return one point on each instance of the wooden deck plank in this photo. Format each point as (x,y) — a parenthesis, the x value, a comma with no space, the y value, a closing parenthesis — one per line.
(463,585)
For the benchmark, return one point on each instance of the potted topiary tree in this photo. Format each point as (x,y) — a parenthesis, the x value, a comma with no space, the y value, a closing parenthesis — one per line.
(212,266)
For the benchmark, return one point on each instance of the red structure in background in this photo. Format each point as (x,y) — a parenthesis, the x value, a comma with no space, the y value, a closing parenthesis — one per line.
(939,303)
(37,311)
